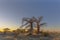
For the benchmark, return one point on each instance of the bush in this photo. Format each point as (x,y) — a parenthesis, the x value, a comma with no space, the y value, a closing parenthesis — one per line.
(45,34)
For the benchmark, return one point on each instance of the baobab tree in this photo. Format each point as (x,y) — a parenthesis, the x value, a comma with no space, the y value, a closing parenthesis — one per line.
(38,23)
(28,22)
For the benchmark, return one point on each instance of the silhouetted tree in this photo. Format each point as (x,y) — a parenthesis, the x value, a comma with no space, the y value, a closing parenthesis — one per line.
(17,32)
(28,22)
(38,22)
(6,30)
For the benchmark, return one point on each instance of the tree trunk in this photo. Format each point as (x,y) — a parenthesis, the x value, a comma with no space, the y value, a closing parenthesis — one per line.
(31,29)
(38,28)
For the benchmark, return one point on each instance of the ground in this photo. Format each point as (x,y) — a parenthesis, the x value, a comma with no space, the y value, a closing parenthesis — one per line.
(22,37)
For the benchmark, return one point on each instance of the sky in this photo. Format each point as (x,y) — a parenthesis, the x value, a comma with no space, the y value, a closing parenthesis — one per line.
(12,12)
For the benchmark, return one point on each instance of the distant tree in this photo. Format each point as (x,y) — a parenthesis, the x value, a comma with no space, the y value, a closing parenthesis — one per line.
(14,31)
(18,31)
(6,30)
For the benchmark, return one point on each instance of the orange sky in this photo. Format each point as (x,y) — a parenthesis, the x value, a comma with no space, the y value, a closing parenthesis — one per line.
(11,28)
(51,29)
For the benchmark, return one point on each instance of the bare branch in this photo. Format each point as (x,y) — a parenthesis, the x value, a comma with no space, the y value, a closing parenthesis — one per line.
(42,24)
(27,26)
(34,19)
(24,24)
(40,18)
(25,19)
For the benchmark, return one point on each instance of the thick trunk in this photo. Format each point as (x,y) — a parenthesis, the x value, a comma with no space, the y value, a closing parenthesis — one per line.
(38,28)
(31,29)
